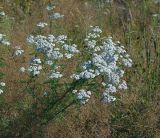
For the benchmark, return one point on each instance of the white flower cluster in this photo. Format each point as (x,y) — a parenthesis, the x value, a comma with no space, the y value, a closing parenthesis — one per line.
(107,60)
(123,85)
(3,40)
(53,48)
(42,24)
(52,14)
(156,15)
(82,95)
(91,38)
(35,66)
(56,15)
(108,98)
(2,13)
(19,51)
(55,74)
(2,84)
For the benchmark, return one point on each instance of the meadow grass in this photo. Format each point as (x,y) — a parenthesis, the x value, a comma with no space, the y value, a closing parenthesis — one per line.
(135,114)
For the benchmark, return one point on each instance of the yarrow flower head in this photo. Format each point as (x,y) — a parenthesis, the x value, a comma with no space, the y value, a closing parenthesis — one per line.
(53,48)
(106,60)
(19,51)
(82,95)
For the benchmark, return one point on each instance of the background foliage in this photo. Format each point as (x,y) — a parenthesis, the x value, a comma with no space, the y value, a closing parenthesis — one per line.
(137,112)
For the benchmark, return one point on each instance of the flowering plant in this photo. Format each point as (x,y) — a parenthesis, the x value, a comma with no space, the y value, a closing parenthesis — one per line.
(52,88)
(104,66)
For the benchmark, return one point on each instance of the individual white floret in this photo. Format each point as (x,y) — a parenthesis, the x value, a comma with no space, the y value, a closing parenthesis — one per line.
(56,15)
(30,39)
(55,75)
(107,98)
(22,69)
(91,44)
(68,56)
(114,78)
(104,84)
(51,38)
(87,75)
(61,39)
(156,15)
(71,48)
(37,60)
(123,85)
(97,48)
(2,13)
(74,91)
(42,24)
(83,96)
(45,93)
(1,91)
(54,55)
(35,66)
(35,72)
(18,51)
(5,42)
(96,29)
(127,62)
(49,62)
(110,89)
(35,69)
(2,84)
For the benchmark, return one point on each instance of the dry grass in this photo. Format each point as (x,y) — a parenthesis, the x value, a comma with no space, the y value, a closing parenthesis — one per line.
(136,114)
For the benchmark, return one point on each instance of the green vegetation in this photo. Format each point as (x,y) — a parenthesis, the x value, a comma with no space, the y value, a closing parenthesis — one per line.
(30,106)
